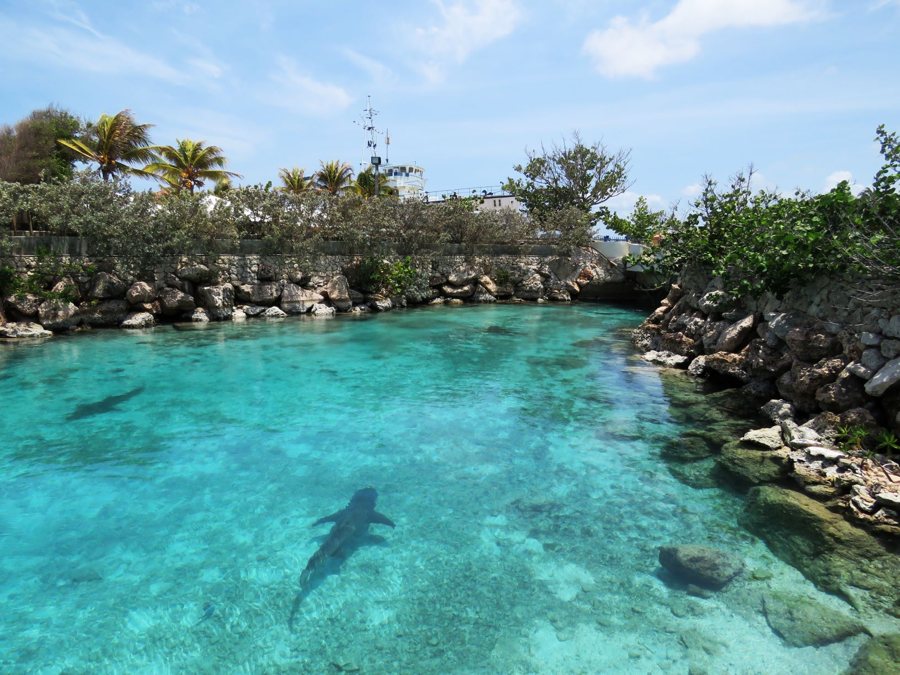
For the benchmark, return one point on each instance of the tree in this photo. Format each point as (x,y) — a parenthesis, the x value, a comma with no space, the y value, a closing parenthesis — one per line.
(294,181)
(369,184)
(643,224)
(29,152)
(334,177)
(189,164)
(115,143)
(573,175)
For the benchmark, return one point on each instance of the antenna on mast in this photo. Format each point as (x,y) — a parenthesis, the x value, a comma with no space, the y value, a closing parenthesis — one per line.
(367,121)
(387,146)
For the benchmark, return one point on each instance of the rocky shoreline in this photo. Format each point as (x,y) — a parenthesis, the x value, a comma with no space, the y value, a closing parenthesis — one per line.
(236,288)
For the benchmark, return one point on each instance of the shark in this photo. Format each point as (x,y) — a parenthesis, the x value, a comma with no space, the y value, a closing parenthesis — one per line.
(105,405)
(350,524)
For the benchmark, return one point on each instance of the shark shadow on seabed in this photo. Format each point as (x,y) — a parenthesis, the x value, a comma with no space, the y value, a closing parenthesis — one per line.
(104,405)
(349,532)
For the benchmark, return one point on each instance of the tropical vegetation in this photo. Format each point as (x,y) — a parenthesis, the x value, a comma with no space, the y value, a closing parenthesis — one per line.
(116,143)
(334,177)
(189,165)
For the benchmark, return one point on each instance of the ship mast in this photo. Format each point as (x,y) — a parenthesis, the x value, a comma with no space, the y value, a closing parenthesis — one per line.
(368,124)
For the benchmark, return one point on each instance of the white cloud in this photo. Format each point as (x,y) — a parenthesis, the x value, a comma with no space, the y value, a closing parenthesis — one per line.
(300,92)
(463,28)
(639,48)
(835,178)
(623,204)
(376,70)
(691,191)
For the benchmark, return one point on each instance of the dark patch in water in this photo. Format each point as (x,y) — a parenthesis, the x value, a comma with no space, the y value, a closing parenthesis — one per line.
(102,406)
(500,330)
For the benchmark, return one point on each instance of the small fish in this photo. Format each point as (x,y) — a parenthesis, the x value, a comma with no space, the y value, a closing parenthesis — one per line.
(208,610)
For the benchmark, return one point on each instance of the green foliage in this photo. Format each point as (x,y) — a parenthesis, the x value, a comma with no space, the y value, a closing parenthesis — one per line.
(851,439)
(377,275)
(887,443)
(52,278)
(643,223)
(189,165)
(570,176)
(115,143)
(29,152)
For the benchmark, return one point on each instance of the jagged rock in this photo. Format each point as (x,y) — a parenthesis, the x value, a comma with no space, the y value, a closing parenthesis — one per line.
(356,297)
(892,327)
(867,339)
(712,331)
(106,286)
(715,301)
(106,313)
(802,381)
(322,311)
(769,438)
(488,284)
(667,359)
(296,276)
(860,371)
(700,565)
(811,342)
(778,410)
(749,465)
(296,300)
(337,291)
(66,288)
(253,310)
(558,295)
(764,360)
(196,274)
(266,271)
(173,302)
(877,656)
(530,288)
(482,296)
(238,314)
(463,276)
(218,300)
(381,304)
(890,349)
(799,437)
(25,304)
(273,313)
(828,550)
(843,394)
(140,292)
(802,622)
(872,359)
(884,379)
(724,364)
(734,337)
(138,320)
(200,315)
(57,315)
(264,293)
(23,329)
(465,291)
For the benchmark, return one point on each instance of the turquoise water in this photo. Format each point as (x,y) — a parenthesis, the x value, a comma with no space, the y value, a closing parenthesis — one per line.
(157,490)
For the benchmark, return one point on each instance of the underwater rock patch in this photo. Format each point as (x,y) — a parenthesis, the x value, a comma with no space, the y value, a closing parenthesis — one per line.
(877,656)
(802,622)
(700,565)
(751,466)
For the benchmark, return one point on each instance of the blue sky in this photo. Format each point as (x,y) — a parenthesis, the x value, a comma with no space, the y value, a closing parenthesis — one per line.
(692,87)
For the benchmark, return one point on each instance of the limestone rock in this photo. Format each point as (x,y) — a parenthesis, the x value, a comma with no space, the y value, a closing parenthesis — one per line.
(877,656)
(843,394)
(724,364)
(714,301)
(828,550)
(749,465)
(712,331)
(173,302)
(558,295)
(462,276)
(733,337)
(892,328)
(196,274)
(253,310)
(200,315)
(664,358)
(872,359)
(273,313)
(778,410)
(106,313)
(265,293)
(868,339)
(465,291)
(884,379)
(297,300)
(106,286)
(218,300)
(381,304)
(890,349)
(530,288)
(58,315)
(764,360)
(25,304)
(23,329)
(239,314)
(337,291)
(356,297)
(488,284)
(322,311)
(768,439)
(700,565)
(802,622)
(481,296)
(140,292)
(811,342)
(138,320)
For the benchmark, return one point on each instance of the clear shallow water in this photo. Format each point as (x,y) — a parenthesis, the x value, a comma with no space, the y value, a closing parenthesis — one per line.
(157,490)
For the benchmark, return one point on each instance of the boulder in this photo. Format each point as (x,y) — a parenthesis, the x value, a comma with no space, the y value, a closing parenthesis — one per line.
(218,300)
(357,298)
(664,358)
(273,313)
(481,296)
(265,293)
(462,276)
(767,439)
(297,300)
(140,292)
(843,394)
(58,315)
(466,291)
(700,565)
(778,410)
(890,349)
(712,331)
(802,622)
(765,360)
(811,342)
(488,284)
(877,656)
(749,465)
(66,288)
(734,337)
(106,313)
(200,315)
(723,364)
(107,286)
(337,291)
(173,302)
(714,302)
(253,310)
(23,329)
(24,304)
(832,553)
(892,328)
(322,311)
(239,315)
(138,320)
(803,380)
(886,377)
(530,288)
(872,359)
(196,274)
(382,304)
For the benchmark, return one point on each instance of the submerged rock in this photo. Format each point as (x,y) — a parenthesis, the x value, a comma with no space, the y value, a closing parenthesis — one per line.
(700,565)
(752,466)
(877,656)
(802,622)
(832,553)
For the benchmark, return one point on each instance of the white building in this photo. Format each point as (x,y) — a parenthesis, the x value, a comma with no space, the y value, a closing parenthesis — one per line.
(407,179)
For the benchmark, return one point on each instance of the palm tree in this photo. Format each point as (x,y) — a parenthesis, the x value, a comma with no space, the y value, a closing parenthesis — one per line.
(294,180)
(189,165)
(334,177)
(114,142)
(367,186)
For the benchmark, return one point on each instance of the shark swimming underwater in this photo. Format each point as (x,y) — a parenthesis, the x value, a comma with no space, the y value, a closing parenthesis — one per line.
(350,524)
